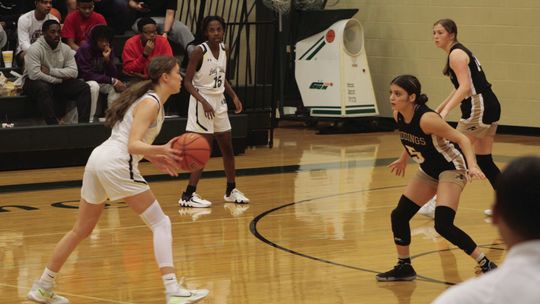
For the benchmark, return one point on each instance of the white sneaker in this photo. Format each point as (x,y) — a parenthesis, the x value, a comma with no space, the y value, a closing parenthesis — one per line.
(488,212)
(185,296)
(237,197)
(428,209)
(195,201)
(47,296)
(195,213)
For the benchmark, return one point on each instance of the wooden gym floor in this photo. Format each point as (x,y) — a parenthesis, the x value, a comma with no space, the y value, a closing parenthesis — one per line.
(317,229)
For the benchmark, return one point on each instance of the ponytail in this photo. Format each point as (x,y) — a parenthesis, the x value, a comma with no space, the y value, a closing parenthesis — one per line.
(118,109)
(421,99)
(157,67)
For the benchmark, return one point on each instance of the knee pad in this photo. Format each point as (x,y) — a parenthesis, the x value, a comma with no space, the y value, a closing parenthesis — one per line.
(160,224)
(444,225)
(154,217)
(401,216)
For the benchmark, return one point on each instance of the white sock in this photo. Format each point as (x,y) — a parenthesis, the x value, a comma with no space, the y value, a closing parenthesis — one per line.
(170,282)
(47,278)
(480,257)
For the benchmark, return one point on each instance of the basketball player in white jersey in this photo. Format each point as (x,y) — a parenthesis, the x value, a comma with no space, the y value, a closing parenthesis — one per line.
(207,115)
(112,173)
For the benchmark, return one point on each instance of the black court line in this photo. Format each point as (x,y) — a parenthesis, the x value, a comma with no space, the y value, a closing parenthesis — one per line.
(211,174)
(451,249)
(255,232)
(220,173)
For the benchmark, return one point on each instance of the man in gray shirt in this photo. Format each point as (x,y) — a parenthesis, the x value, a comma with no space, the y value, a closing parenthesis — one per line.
(50,76)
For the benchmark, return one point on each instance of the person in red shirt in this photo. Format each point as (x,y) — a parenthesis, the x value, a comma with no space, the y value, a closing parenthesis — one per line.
(141,48)
(79,23)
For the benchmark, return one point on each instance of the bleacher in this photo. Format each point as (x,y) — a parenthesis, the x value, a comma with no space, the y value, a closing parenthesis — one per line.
(32,144)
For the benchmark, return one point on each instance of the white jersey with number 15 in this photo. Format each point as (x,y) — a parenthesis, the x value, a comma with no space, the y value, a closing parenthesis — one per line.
(210,78)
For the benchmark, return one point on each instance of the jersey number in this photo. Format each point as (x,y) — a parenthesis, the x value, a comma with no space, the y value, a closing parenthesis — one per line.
(417,156)
(218,81)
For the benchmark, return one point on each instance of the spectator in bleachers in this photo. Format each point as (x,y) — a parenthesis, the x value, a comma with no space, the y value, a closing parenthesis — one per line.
(95,61)
(117,13)
(50,76)
(142,47)
(163,12)
(29,27)
(79,23)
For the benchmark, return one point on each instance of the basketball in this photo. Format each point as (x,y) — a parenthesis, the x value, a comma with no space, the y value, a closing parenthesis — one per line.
(195,150)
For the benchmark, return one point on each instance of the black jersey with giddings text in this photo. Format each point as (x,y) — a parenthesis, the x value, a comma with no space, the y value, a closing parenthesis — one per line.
(434,154)
(486,108)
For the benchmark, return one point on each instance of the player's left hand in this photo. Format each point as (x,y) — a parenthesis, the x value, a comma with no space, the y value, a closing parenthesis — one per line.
(164,164)
(237,105)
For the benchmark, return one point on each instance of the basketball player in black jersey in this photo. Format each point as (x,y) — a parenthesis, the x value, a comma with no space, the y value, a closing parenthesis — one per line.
(480,108)
(444,170)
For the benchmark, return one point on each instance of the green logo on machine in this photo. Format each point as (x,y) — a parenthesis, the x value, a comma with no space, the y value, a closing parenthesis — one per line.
(320,85)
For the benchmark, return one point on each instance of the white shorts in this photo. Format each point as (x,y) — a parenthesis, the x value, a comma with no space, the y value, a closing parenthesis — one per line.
(197,121)
(109,177)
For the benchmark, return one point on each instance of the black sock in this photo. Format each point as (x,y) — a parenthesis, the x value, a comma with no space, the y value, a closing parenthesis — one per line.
(230,187)
(189,191)
(404,260)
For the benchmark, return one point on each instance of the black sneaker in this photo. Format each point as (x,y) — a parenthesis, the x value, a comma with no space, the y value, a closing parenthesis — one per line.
(401,272)
(489,266)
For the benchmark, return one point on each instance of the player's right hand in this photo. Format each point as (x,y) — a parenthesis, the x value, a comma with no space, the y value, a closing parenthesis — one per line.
(208,110)
(149,47)
(398,166)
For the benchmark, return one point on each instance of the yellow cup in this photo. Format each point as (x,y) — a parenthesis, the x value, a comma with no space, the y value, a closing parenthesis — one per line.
(8,58)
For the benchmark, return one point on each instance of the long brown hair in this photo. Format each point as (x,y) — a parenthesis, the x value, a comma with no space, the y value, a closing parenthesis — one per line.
(157,67)
(451,27)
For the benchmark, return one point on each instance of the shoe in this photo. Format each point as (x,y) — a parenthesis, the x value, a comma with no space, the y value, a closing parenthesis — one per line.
(195,213)
(489,266)
(195,201)
(236,197)
(41,295)
(428,209)
(488,212)
(235,209)
(185,296)
(401,272)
